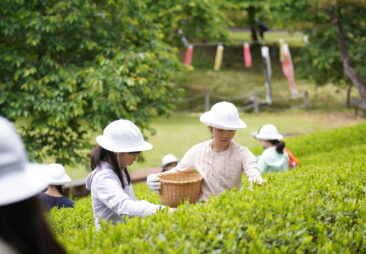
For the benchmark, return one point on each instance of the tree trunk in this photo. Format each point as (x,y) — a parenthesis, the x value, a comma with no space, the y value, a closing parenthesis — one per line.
(346,59)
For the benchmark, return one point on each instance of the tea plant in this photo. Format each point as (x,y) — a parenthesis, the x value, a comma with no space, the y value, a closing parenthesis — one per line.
(319,207)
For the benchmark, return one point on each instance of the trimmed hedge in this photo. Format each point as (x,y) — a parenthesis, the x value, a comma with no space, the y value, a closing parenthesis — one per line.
(319,207)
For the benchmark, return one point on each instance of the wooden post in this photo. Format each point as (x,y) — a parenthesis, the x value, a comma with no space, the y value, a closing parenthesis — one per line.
(306,99)
(348,101)
(255,102)
(207,101)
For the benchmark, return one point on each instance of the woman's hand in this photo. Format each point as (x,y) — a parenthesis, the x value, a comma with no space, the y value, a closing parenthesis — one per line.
(153,182)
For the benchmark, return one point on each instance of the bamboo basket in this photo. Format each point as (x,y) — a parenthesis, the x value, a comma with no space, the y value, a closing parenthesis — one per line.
(179,186)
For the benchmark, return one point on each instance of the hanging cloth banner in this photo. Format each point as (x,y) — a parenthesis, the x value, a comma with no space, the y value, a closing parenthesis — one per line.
(288,68)
(267,73)
(247,55)
(189,54)
(218,58)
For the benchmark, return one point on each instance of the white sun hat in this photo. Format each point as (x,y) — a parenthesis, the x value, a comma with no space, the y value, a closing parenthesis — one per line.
(223,115)
(123,136)
(167,159)
(19,179)
(57,174)
(268,132)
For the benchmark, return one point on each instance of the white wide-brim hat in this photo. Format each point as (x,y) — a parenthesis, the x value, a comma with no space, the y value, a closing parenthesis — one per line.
(223,115)
(19,179)
(268,132)
(167,159)
(123,136)
(18,185)
(57,174)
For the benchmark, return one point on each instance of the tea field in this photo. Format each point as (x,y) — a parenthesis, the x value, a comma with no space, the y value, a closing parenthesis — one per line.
(317,208)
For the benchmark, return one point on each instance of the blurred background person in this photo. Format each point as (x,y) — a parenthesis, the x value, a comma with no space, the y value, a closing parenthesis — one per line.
(273,158)
(168,162)
(23,229)
(54,195)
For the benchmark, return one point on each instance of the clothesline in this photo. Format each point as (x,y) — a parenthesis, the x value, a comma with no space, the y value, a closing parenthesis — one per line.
(285,59)
(234,43)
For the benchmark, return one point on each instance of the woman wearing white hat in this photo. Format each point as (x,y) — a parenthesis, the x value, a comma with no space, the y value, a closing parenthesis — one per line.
(219,160)
(109,182)
(53,196)
(273,158)
(23,229)
(168,162)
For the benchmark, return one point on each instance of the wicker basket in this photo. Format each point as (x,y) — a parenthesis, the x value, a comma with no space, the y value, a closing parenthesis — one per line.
(177,187)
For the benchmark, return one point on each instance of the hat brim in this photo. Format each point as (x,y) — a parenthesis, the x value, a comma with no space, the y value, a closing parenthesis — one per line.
(65,179)
(19,185)
(207,119)
(264,137)
(167,163)
(106,145)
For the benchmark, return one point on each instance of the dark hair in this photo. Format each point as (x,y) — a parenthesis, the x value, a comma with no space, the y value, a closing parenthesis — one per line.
(165,168)
(24,228)
(279,145)
(60,189)
(99,154)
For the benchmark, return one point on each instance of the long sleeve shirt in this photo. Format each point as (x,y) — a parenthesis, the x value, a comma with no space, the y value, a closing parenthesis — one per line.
(272,161)
(110,201)
(220,170)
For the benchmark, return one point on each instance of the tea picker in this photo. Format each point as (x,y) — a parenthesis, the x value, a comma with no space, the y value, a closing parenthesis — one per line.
(53,196)
(23,228)
(168,162)
(109,181)
(275,157)
(220,160)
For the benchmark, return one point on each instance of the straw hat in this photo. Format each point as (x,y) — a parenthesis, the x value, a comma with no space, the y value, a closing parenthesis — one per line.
(19,179)
(268,132)
(123,136)
(167,159)
(57,174)
(223,115)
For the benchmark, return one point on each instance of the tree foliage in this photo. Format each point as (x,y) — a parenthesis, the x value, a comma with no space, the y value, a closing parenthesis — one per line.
(331,56)
(199,20)
(71,67)
(242,13)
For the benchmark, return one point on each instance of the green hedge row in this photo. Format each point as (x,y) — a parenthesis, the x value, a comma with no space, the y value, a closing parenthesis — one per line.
(319,207)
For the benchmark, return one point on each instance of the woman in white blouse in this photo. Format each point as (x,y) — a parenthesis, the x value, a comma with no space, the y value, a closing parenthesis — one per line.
(109,181)
(219,160)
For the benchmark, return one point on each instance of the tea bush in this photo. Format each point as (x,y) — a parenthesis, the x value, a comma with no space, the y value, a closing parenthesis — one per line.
(319,207)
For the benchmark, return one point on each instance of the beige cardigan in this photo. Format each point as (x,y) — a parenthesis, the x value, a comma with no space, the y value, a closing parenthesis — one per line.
(220,171)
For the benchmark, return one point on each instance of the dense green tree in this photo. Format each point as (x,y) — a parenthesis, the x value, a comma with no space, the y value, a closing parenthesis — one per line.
(70,67)
(337,33)
(198,20)
(242,13)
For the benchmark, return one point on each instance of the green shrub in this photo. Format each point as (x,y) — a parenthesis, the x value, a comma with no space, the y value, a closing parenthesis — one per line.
(319,207)
(329,141)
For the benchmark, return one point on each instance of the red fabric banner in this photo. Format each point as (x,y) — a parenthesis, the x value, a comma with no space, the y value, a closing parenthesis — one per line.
(189,54)
(247,55)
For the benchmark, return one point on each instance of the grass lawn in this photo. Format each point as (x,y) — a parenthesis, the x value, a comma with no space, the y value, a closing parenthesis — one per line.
(181,131)
(234,82)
